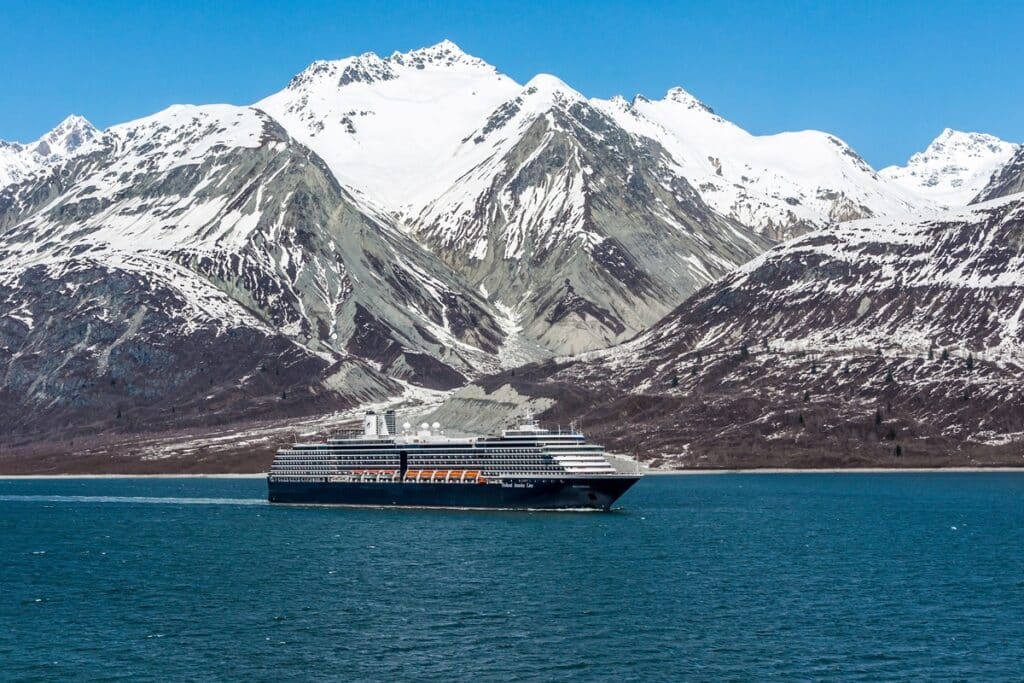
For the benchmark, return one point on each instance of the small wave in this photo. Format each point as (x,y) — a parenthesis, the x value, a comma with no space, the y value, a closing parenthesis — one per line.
(133,499)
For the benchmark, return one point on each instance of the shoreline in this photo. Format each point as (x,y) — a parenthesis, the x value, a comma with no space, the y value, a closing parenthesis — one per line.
(655,473)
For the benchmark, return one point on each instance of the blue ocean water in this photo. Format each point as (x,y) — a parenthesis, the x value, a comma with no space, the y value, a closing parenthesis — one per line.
(725,577)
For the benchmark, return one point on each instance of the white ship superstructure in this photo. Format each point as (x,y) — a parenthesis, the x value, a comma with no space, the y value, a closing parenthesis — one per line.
(427,455)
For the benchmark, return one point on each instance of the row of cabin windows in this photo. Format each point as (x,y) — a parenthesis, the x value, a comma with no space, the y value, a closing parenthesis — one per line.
(335,468)
(412,450)
(452,460)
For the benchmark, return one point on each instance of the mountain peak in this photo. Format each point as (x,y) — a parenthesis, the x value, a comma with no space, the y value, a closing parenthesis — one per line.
(370,67)
(684,98)
(954,167)
(72,134)
(974,144)
(71,137)
(551,86)
(444,53)
(72,122)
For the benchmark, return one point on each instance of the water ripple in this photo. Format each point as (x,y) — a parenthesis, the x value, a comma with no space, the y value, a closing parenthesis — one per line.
(732,577)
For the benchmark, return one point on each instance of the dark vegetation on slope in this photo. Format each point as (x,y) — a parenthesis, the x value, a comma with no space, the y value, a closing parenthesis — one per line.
(761,409)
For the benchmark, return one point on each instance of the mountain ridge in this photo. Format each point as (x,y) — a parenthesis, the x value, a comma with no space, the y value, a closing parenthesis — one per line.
(409,223)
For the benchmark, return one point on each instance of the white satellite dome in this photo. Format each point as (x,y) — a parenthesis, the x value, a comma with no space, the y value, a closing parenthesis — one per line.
(406,425)
(424,426)
(435,426)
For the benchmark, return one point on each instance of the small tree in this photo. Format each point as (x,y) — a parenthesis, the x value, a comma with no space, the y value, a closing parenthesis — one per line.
(675,379)
(801,419)
(888,376)
(931,353)
(891,434)
(899,451)
(878,417)
(945,354)
(970,361)
(807,396)
(284,395)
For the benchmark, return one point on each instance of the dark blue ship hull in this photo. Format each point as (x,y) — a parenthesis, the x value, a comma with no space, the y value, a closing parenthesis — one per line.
(597,493)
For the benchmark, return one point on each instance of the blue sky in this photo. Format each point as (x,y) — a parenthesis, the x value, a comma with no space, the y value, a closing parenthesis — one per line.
(885,76)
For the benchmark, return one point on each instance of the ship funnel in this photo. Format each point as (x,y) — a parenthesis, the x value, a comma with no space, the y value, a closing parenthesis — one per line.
(386,424)
(370,424)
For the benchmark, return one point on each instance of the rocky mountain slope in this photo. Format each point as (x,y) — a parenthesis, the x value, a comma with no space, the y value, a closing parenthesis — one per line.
(203,265)
(954,168)
(1007,180)
(877,342)
(584,230)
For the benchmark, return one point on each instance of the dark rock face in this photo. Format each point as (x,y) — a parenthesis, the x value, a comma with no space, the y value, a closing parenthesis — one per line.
(1008,180)
(86,347)
(831,350)
(567,302)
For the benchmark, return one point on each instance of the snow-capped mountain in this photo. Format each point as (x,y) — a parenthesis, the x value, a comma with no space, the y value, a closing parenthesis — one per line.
(417,219)
(73,136)
(780,184)
(400,130)
(831,349)
(390,127)
(206,233)
(529,192)
(954,168)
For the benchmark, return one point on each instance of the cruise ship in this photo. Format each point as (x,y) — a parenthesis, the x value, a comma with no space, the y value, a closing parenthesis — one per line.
(527,467)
